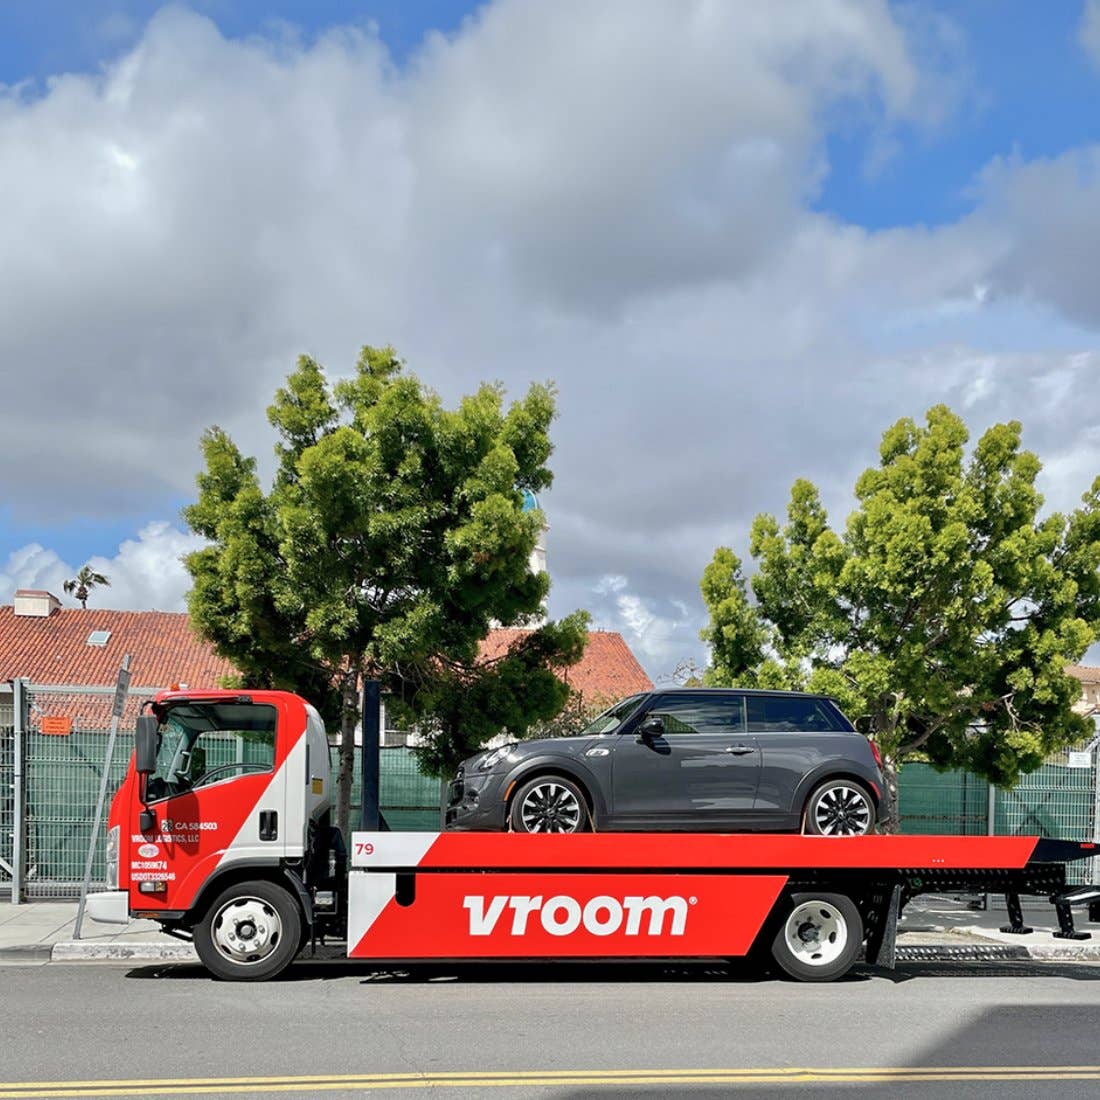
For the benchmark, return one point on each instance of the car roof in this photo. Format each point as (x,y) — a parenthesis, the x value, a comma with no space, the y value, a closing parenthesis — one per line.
(730,690)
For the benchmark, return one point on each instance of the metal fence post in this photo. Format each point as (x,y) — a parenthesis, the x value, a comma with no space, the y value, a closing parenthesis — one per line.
(121,690)
(19,793)
(1096,805)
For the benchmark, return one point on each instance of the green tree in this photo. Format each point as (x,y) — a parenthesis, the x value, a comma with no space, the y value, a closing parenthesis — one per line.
(392,538)
(82,584)
(945,611)
(460,705)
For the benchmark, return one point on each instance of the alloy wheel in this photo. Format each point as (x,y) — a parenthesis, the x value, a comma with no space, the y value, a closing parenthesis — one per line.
(841,810)
(551,807)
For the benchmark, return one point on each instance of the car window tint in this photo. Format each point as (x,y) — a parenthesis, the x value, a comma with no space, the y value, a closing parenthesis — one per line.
(686,715)
(791,714)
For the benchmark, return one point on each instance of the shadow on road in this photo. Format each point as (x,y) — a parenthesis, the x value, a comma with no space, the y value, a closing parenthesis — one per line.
(642,972)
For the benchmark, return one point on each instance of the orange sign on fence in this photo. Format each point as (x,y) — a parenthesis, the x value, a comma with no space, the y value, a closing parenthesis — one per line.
(60,725)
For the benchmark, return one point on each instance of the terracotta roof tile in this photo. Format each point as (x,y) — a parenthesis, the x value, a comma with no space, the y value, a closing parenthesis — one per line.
(1087,674)
(606,672)
(164,651)
(55,650)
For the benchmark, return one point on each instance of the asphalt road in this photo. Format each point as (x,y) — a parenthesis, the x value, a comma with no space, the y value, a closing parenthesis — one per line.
(933,1030)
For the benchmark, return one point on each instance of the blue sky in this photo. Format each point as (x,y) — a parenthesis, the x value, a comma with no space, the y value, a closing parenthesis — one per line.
(827,216)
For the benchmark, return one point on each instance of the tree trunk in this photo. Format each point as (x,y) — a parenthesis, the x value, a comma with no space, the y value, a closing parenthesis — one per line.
(889,818)
(349,716)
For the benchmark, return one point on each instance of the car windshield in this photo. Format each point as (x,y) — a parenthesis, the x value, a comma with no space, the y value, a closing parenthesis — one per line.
(611,719)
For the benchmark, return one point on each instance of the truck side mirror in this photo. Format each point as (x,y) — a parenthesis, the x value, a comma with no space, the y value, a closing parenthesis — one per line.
(145,745)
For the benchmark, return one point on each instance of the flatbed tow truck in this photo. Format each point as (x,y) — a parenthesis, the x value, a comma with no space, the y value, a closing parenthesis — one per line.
(241,858)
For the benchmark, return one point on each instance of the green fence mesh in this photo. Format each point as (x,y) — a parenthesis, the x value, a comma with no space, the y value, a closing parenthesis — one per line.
(62,775)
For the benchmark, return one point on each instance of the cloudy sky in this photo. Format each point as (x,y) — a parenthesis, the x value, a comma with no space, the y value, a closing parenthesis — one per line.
(742,239)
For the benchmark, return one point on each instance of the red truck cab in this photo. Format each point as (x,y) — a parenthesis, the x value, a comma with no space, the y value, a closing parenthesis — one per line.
(239,791)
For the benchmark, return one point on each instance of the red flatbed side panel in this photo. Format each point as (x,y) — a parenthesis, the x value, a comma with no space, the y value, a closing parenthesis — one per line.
(738,851)
(510,915)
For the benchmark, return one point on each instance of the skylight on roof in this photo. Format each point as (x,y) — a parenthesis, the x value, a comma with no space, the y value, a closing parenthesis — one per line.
(99,637)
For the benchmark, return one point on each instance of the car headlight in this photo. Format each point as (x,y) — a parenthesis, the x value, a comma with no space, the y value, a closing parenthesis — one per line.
(494,758)
(112,857)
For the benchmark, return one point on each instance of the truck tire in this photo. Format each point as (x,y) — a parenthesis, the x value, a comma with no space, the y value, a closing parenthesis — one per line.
(819,938)
(251,932)
(549,804)
(839,807)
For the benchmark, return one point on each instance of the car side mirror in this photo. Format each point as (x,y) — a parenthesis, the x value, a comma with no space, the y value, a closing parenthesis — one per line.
(145,745)
(865,724)
(650,730)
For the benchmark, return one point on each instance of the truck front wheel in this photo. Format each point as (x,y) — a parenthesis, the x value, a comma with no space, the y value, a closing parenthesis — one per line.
(820,937)
(250,932)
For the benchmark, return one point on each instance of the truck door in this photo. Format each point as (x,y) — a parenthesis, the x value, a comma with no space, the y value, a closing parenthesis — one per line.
(700,772)
(218,797)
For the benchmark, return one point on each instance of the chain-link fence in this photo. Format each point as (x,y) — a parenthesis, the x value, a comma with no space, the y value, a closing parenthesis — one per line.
(7,794)
(64,751)
(66,729)
(65,740)
(1060,800)
(408,799)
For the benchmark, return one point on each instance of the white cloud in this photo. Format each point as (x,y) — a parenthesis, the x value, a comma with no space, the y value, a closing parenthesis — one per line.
(660,641)
(1088,33)
(146,573)
(614,195)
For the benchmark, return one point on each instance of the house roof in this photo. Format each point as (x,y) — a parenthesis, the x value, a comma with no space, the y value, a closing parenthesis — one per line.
(54,649)
(1087,674)
(163,650)
(606,672)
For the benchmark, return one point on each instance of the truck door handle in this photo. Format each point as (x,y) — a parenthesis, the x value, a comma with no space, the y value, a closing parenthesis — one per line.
(739,750)
(269,825)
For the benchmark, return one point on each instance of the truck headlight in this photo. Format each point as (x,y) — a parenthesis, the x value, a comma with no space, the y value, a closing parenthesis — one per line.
(112,857)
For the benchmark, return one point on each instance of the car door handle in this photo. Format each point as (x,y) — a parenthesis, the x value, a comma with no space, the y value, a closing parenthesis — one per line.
(739,750)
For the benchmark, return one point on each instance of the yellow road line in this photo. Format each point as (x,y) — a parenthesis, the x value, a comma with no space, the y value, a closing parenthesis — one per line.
(54,1090)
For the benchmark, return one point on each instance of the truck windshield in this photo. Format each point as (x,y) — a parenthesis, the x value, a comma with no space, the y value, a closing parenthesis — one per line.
(611,719)
(203,743)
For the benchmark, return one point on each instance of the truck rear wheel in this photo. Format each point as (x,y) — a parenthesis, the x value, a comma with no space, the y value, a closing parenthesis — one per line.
(820,937)
(250,932)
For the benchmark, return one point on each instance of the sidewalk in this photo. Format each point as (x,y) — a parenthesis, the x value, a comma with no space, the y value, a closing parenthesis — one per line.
(932,928)
(42,931)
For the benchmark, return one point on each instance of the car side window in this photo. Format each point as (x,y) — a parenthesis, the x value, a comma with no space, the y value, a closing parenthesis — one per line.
(790,714)
(692,714)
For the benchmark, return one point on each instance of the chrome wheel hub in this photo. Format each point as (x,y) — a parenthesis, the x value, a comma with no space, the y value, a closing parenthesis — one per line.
(247,930)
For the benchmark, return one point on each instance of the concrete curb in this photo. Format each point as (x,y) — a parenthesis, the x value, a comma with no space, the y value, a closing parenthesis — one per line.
(990,951)
(83,951)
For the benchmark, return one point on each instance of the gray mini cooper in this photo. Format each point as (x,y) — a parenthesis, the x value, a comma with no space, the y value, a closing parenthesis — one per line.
(689,760)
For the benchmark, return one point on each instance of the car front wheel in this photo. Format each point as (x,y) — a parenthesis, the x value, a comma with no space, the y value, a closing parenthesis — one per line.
(839,807)
(549,804)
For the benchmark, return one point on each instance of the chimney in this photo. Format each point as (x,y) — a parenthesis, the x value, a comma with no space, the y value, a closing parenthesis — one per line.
(34,603)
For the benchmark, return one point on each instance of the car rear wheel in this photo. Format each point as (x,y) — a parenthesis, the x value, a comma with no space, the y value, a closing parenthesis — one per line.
(820,937)
(839,807)
(549,804)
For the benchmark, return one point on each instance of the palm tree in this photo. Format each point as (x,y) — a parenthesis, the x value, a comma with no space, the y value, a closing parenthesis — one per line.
(83,583)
